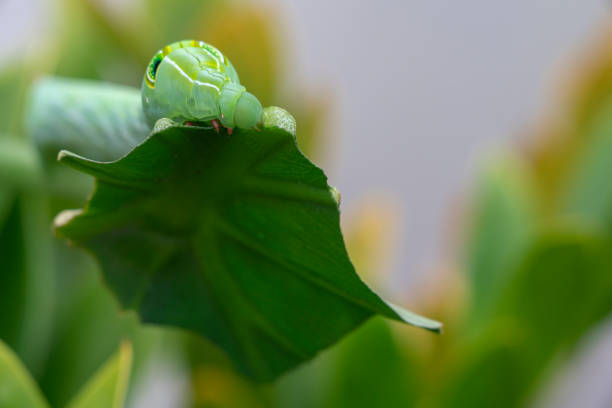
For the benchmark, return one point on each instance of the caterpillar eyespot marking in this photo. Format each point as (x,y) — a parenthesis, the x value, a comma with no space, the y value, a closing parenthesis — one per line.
(156,63)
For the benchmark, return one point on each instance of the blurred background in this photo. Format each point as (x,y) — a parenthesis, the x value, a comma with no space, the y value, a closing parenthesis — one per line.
(471,142)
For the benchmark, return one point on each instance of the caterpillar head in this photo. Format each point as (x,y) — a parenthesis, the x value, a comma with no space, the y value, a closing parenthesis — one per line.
(239,108)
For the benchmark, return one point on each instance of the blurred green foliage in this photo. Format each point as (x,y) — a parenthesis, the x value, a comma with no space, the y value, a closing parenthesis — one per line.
(107,388)
(535,259)
(17,389)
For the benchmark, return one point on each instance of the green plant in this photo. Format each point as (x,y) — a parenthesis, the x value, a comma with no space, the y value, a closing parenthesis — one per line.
(532,280)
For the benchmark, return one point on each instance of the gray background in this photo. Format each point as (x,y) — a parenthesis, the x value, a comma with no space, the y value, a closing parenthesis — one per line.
(426,89)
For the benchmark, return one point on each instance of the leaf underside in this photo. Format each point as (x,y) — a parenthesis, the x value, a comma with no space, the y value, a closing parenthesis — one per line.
(234,237)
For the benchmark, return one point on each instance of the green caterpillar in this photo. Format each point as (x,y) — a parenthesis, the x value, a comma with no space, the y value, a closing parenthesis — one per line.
(192,81)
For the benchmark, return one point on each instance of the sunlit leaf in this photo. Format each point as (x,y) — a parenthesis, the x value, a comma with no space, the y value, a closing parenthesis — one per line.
(17,388)
(108,387)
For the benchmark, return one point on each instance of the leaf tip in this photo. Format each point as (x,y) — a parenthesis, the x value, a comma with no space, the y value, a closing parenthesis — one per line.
(414,319)
(66,156)
(62,155)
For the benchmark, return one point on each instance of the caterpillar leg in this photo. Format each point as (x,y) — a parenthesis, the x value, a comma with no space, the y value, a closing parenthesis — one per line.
(215,124)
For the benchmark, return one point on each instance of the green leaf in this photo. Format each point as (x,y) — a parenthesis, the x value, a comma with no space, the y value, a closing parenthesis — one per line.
(87,329)
(487,372)
(108,387)
(560,291)
(234,237)
(589,192)
(102,122)
(503,222)
(14,82)
(26,276)
(17,388)
(13,279)
(371,370)
(19,164)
